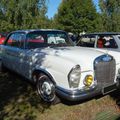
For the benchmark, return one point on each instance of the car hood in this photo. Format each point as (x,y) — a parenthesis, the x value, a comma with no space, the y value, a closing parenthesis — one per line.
(114,53)
(74,55)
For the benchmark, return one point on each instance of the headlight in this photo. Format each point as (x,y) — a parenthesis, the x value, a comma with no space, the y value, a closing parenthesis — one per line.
(74,77)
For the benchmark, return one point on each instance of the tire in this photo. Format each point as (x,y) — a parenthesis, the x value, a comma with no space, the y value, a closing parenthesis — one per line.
(1,66)
(46,89)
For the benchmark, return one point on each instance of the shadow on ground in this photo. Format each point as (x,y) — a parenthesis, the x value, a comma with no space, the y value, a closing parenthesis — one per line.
(116,96)
(18,99)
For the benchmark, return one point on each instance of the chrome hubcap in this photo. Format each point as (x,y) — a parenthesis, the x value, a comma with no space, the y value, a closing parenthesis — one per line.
(46,88)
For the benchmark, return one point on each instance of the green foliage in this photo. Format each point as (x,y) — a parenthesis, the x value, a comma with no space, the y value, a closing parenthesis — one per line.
(73,15)
(76,16)
(110,14)
(22,14)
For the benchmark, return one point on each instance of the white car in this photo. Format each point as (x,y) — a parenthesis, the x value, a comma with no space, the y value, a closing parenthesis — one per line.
(58,69)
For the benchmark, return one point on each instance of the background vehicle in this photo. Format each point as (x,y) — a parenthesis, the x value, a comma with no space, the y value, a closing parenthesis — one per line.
(49,59)
(2,37)
(107,40)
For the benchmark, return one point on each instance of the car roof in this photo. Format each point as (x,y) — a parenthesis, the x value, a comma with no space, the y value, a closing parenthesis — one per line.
(102,33)
(37,30)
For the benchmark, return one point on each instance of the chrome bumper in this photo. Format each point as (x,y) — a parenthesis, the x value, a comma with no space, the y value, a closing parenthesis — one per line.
(78,95)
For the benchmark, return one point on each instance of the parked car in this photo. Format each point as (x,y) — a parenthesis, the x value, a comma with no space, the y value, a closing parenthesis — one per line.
(108,42)
(102,40)
(2,37)
(59,69)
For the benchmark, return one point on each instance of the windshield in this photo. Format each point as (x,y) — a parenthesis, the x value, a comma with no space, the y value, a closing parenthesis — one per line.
(48,38)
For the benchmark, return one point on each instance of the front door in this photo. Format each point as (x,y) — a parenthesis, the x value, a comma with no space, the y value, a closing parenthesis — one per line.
(13,51)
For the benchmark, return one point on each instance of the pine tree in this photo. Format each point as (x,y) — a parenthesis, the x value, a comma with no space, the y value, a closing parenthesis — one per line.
(76,16)
(110,12)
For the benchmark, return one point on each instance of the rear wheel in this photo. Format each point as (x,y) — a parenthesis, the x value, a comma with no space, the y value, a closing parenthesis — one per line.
(46,89)
(1,67)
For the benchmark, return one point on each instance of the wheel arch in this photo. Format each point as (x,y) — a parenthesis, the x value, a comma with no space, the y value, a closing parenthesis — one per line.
(37,71)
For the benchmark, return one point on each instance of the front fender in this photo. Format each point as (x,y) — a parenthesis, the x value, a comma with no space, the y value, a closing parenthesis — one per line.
(56,68)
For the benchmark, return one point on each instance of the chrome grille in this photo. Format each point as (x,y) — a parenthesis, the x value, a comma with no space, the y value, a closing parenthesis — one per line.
(105,72)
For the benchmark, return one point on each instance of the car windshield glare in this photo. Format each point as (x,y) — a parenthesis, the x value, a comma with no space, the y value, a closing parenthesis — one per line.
(47,38)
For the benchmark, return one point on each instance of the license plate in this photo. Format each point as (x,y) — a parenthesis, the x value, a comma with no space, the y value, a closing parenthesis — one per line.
(109,89)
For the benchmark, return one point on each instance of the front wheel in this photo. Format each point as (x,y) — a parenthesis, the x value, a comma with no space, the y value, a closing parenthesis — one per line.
(46,89)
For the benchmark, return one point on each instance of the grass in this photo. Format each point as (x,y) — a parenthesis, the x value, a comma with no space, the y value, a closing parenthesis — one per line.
(19,101)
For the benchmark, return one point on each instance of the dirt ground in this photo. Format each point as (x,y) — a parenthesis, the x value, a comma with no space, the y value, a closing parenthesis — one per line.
(19,101)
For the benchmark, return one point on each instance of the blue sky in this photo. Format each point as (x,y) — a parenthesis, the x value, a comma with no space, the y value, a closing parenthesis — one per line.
(53,6)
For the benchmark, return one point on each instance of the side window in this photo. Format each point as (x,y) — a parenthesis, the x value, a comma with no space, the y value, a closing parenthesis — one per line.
(35,40)
(16,40)
(20,38)
(86,41)
(10,40)
(106,42)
